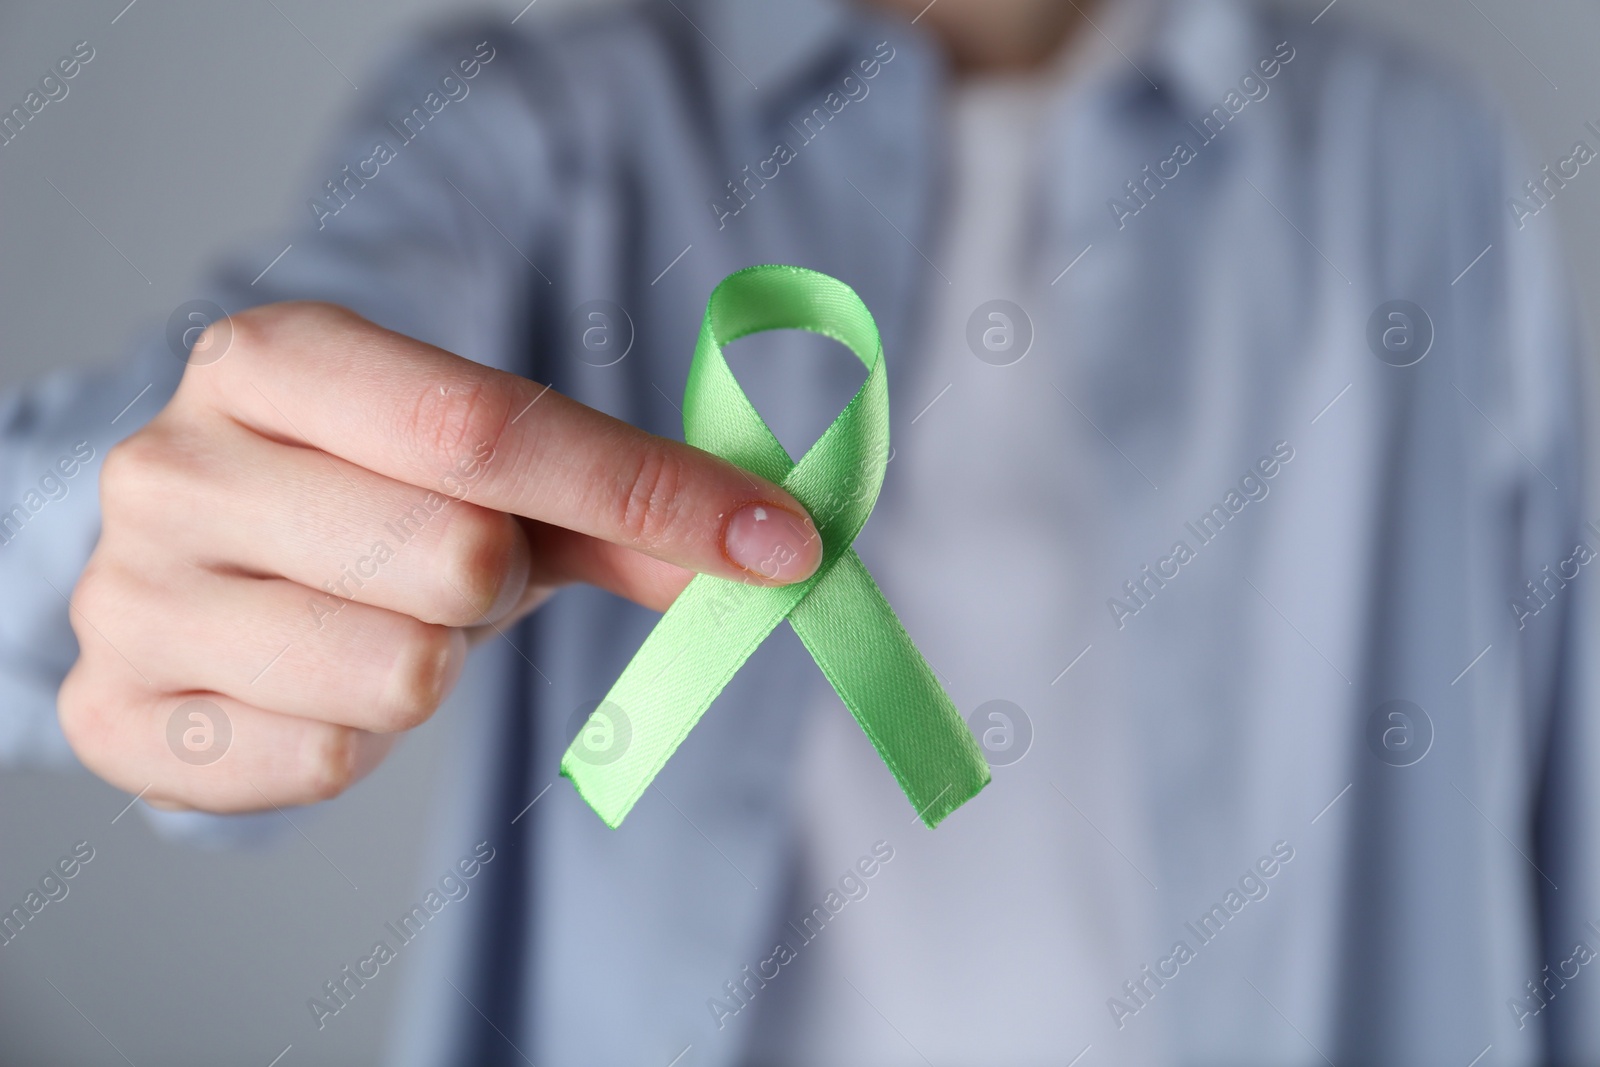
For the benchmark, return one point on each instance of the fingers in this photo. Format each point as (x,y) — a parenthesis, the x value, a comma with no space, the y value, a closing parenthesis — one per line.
(296,551)
(561,556)
(236,676)
(342,532)
(275,645)
(133,712)
(321,376)
(207,750)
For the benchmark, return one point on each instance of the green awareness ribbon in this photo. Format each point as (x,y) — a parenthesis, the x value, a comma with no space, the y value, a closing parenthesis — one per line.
(839,613)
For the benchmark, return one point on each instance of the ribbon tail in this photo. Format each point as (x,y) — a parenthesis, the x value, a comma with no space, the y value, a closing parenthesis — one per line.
(858,642)
(693,652)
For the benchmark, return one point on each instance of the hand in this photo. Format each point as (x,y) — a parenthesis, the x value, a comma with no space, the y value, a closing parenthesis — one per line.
(309,534)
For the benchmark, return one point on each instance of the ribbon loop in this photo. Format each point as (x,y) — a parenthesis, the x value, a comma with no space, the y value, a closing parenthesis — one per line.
(839,613)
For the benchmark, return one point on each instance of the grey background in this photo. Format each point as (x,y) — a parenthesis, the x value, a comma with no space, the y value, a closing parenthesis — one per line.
(192,129)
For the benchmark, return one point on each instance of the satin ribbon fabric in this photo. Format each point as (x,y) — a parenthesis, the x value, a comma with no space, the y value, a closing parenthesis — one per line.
(839,613)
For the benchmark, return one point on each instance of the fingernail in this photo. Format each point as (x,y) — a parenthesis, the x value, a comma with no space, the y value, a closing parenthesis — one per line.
(772,543)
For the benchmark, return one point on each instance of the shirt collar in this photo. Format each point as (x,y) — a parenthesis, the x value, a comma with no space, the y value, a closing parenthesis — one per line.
(1200,49)
(1194,51)
(765,45)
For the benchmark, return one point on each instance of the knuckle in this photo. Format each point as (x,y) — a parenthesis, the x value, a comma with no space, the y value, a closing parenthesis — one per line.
(249,325)
(450,421)
(97,599)
(259,327)
(250,336)
(652,496)
(89,593)
(240,334)
(217,337)
(82,715)
(143,473)
(126,472)
(477,550)
(328,760)
(424,662)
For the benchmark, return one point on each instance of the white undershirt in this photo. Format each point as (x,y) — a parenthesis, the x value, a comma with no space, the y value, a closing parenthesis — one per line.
(985,941)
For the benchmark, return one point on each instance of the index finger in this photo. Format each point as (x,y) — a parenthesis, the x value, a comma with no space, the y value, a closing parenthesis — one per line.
(321,376)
